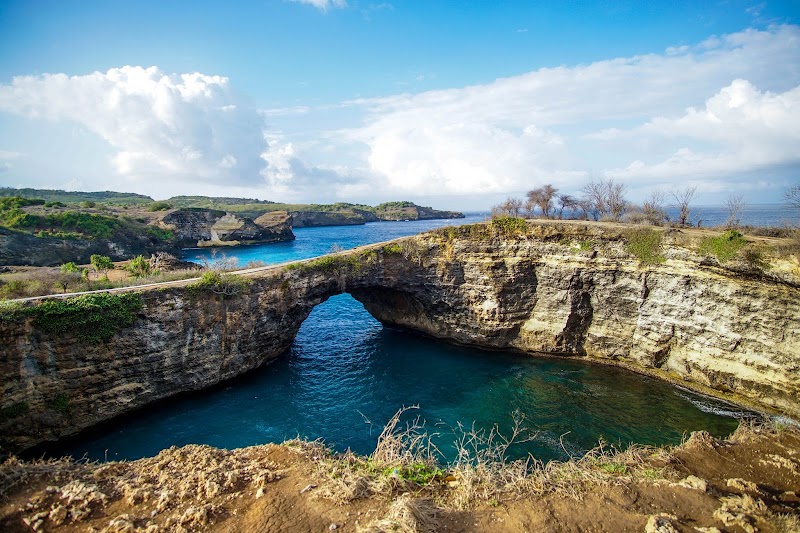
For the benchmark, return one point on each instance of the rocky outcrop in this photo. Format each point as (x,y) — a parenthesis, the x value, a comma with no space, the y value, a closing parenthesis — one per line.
(307,219)
(414,212)
(571,289)
(210,227)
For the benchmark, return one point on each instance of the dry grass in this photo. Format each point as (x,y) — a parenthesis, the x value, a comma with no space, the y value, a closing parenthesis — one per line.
(405,461)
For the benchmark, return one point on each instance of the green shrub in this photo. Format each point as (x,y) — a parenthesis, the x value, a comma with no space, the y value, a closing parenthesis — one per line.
(159,206)
(160,234)
(65,235)
(139,267)
(419,473)
(645,244)
(60,403)
(224,284)
(724,247)
(13,411)
(392,249)
(91,317)
(509,226)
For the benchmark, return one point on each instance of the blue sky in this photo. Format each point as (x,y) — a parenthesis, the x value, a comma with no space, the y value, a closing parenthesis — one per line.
(455,104)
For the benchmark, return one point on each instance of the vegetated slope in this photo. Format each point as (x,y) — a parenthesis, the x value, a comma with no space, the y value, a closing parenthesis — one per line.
(45,233)
(341,213)
(70,197)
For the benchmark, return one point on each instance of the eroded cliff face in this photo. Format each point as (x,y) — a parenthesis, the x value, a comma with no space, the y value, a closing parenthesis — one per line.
(568,289)
(210,227)
(574,289)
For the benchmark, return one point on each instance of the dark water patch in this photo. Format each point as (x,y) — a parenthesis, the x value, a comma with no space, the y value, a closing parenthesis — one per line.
(344,368)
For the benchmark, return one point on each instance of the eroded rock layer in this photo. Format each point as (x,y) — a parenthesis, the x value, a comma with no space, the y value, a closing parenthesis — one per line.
(569,289)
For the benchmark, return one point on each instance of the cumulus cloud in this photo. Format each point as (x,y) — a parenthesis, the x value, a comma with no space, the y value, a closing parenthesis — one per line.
(556,123)
(746,129)
(711,113)
(323,5)
(188,126)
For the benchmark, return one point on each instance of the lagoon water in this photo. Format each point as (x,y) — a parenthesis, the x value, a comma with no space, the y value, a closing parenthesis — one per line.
(346,375)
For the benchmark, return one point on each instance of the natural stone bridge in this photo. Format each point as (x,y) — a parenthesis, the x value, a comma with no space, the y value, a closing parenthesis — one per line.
(563,288)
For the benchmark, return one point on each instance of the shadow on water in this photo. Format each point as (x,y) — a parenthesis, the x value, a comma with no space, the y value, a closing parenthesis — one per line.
(344,369)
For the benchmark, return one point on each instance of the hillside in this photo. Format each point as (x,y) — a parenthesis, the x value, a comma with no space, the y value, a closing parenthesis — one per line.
(70,197)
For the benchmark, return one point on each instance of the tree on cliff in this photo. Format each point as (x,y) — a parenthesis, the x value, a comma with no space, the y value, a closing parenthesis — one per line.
(565,201)
(792,196)
(541,198)
(511,207)
(683,198)
(604,199)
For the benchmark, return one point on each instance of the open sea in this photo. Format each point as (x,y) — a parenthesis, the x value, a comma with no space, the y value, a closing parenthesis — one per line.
(346,375)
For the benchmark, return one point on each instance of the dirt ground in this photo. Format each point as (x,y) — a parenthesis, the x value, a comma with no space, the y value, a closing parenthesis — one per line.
(748,482)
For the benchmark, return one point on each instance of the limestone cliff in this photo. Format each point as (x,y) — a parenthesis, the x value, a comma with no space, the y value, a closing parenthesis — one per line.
(211,227)
(558,288)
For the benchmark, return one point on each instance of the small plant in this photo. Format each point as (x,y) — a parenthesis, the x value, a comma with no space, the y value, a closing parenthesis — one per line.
(615,469)
(645,244)
(61,403)
(724,247)
(586,245)
(754,257)
(221,283)
(392,249)
(13,411)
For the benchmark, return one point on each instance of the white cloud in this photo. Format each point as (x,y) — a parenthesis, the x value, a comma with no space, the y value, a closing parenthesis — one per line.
(713,114)
(555,124)
(746,130)
(188,126)
(323,5)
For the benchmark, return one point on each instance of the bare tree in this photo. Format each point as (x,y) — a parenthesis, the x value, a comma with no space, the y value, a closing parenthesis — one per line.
(683,197)
(542,197)
(594,199)
(565,201)
(511,207)
(735,206)
(792,196)
(653,208)
(604,199)
(616,201)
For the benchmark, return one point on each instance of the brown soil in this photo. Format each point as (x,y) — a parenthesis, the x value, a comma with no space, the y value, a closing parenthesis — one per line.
(749,482)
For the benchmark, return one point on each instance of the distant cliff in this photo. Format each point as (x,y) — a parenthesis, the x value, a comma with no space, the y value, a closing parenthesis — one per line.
(210,227)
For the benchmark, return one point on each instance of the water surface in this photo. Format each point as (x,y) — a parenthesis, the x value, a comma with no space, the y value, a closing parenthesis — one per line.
(345,370)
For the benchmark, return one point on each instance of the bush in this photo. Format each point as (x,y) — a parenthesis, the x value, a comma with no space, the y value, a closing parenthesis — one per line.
(138,267)
(226,285)
(160,234)
(88,204)
(91,317)
(159,206)
(645,244)
(509,226)
(724,247)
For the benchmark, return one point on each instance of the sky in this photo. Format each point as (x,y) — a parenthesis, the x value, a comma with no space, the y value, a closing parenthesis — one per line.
(452,104)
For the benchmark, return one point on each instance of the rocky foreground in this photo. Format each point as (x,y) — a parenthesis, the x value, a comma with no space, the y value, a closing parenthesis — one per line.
(748,482)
